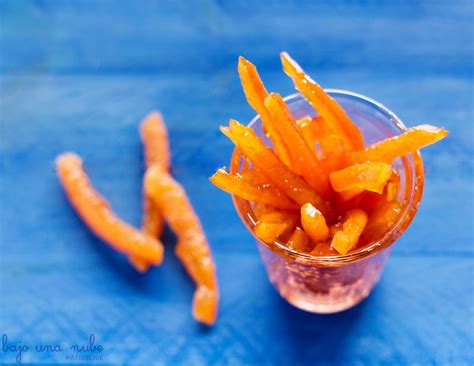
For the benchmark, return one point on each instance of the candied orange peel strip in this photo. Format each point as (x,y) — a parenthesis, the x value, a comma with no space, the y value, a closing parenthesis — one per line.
(267,163)
(392,187)
(246,188)
(314,223)
(260,209)
(353,226)
(192,247)
(306,129)
(155,141)
(299,241)
(333,229)
(256,93)
(156,150)
(269,231)
(254,177)
(272,225)
(326,139)
(382,218)
(323,249)
(97,214)
(387,150)
(372,200)
(350,194)
(303,160)
(349,136)
(316,133)
(371,176)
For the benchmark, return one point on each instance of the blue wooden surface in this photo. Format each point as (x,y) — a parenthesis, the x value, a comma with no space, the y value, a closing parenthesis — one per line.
(80,75)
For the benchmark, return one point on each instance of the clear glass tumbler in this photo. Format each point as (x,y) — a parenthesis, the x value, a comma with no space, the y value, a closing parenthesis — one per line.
(329,284)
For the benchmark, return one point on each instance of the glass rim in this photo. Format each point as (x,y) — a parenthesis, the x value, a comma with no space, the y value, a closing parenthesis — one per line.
(404,219)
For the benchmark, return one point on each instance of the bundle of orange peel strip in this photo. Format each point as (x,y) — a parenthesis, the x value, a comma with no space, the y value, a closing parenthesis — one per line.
(163,198)
(320,189)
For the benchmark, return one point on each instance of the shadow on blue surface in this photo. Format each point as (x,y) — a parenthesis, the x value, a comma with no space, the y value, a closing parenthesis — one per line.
(143,283)
(324,337)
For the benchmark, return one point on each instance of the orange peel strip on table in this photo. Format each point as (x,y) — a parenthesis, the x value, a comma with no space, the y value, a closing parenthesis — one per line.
(156,150)
(97,214)
(192,248)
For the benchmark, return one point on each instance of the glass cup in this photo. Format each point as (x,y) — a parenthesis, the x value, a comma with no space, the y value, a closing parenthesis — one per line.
(329,284)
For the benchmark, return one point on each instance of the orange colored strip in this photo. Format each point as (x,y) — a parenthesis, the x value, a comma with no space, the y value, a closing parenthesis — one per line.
(326,139)
(306,130)
(350,194)
(299,241)
(410,141)
(316,132)
(353,226)
(254,177)
(267,163)
(314,223)
(156,150)
(192,247)
(392,187)
(304,162)
(256,93)
(381,220)
(337,120)
(371,201)
(332,164)
(97,214)
(269,231)
(323,249)
(371,176)
(240,186)
(272,225)
(155,141)
(259,210)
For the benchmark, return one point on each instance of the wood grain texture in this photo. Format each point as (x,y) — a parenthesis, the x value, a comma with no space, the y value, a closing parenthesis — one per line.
(80,75)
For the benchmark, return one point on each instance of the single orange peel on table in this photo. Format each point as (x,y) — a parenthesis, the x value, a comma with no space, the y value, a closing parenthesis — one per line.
(154,136)
(156,151)
(192,247)
(97,214)
(163,199)
(317,188)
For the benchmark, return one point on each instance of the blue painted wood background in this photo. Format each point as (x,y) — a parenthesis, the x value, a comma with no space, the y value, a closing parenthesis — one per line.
(79,75)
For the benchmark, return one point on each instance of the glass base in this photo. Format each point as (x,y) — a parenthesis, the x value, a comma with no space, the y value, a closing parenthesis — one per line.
(323,289)
(326,303)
